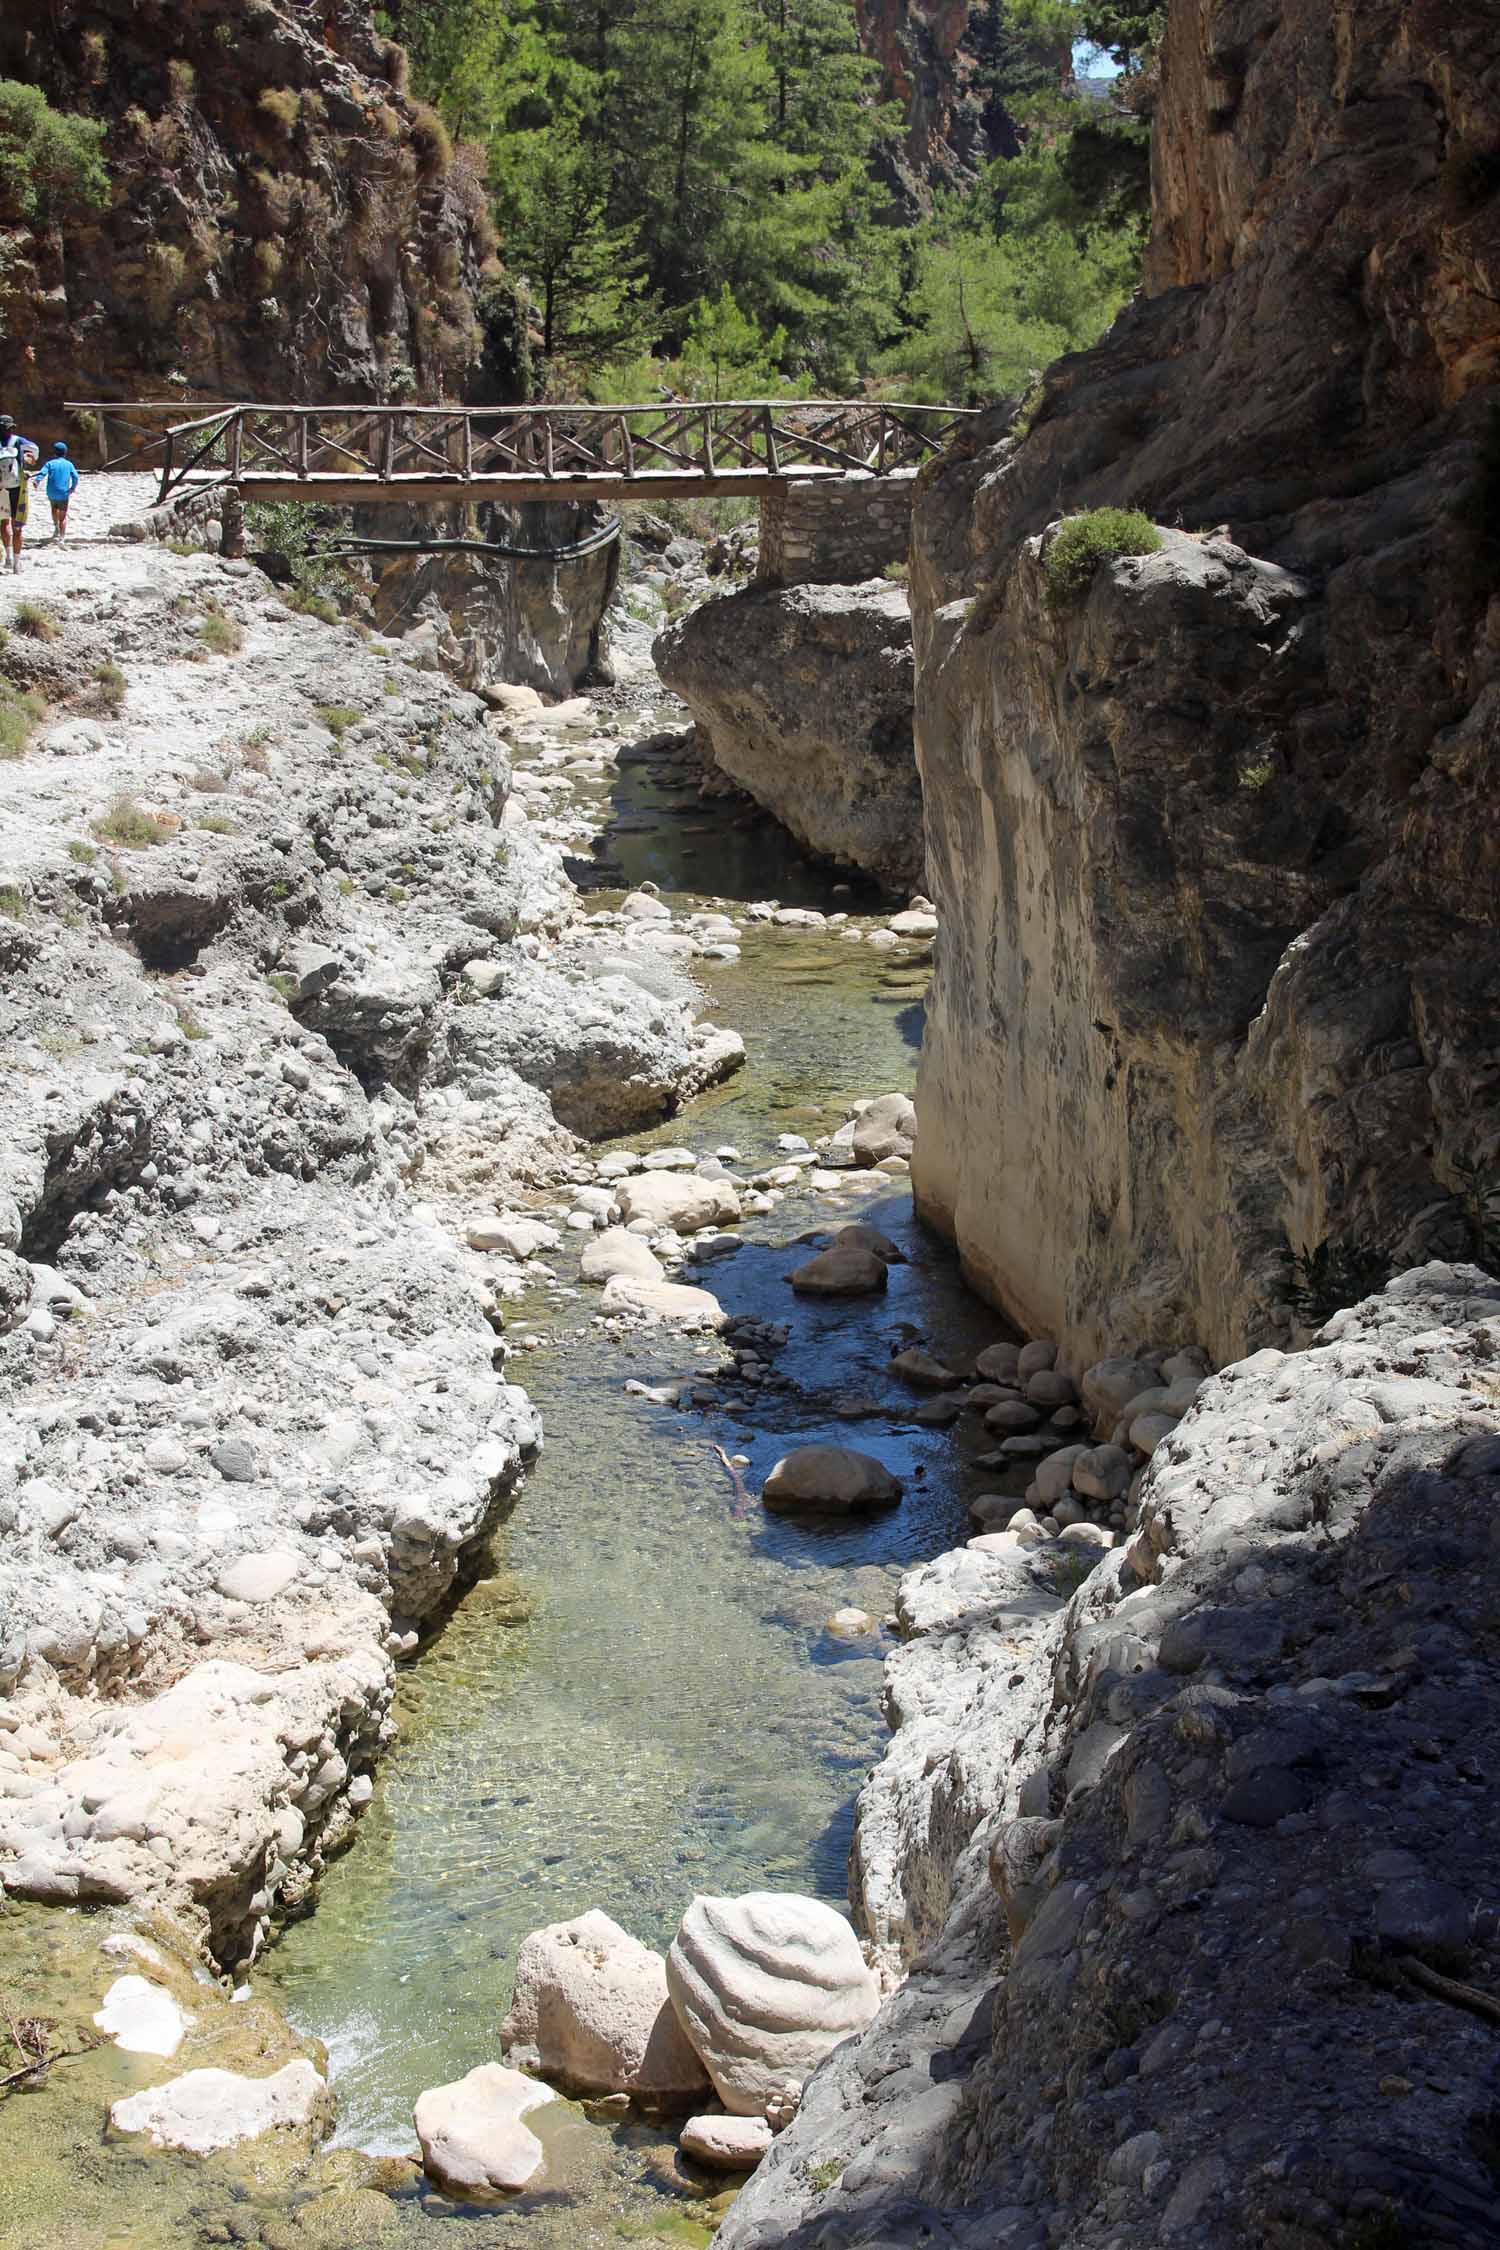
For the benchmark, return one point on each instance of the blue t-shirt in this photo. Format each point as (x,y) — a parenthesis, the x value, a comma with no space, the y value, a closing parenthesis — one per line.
(62,479)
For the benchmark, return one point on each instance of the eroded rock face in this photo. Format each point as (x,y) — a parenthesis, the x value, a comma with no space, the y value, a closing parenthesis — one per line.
(1102,1818)
(1218,953)
(803,695)
(765,1987)
(590,2013)
(281,225)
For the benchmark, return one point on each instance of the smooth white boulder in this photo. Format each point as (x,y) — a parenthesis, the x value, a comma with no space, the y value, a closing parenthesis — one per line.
(259,1578)
(471,2133)
(885,1127)
(832,1477)
(615,1252)
(765,1986)
(729,2144)
(515,1237)
(590,2012)
(666,1304)
(206,2110)
(683,1201)
(141,2018)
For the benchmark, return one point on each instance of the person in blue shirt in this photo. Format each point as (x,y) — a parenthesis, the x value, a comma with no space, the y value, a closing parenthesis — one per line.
(61,479)
(17,454)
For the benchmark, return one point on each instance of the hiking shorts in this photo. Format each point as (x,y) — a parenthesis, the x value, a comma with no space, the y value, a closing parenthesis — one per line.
(19,496)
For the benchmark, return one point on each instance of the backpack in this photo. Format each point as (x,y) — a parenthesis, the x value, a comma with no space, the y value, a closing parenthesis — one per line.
(10,466)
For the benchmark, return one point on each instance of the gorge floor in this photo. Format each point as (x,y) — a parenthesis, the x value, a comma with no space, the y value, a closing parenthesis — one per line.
(638,1699)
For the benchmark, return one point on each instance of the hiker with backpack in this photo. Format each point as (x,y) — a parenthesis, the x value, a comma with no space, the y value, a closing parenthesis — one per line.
(17,457)
(61,479)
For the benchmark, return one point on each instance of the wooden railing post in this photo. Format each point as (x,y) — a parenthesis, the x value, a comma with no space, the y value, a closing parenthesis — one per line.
(166,470)
(388,446)
(302,430)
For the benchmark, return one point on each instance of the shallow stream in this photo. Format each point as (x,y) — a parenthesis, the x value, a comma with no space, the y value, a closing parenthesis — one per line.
(641,1698)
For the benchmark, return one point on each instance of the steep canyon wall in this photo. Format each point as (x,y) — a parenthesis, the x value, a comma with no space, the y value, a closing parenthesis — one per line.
(1211,848)
(283,222)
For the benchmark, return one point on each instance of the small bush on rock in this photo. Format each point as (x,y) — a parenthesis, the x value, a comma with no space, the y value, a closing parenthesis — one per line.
(128,824)
(1083,542)
(220,635)
(282,106)
(338,718)
(107,689)
(20,716)
(37,622)
(1332,1275)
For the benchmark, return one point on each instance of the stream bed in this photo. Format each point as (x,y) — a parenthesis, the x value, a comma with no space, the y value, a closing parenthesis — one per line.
(641,1698)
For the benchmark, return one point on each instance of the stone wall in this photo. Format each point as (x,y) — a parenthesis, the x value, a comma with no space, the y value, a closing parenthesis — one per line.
(835,534)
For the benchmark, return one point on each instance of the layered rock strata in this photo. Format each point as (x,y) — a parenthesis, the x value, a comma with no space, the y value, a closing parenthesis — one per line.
(803,696)
(1223,1806)
(1210,846)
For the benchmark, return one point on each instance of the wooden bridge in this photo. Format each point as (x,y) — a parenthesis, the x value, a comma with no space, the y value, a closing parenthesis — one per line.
(368,455)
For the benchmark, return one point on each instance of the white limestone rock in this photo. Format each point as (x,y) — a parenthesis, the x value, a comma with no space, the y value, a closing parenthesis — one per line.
(727,2144)
(590,2012)
(205,2110)
(684,1202)
(765,1986)
(471,2131)
(141,2018)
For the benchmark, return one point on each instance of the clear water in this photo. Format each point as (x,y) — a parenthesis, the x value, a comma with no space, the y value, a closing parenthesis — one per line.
(640,1698)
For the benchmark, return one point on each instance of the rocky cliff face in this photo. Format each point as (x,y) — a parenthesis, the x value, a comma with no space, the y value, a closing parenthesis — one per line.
(803,696)
(938,65)
(1194,1863)
(283,223)
(1211,847)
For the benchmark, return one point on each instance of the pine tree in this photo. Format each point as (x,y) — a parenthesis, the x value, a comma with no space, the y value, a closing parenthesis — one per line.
(586,275)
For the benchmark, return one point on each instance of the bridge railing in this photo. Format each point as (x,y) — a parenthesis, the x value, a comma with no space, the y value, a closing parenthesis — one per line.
(720,444)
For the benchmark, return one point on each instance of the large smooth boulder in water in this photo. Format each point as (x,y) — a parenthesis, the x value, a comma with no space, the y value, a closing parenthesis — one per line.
(665,1304)
(765,1986)
(682,1201)
(618,1252)
(204,2110)
(832,1478)
(845,1269)
(471,2132)
(888,1127)
(590,2012)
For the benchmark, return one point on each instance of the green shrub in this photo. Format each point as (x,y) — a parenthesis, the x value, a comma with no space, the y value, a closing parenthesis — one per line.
(1331,1275)
(220,635)
(37,622)
(85,854)
(20,716)
(1083,542)
(107,692)
(126,823)
(218,824)
(50,163)
(338,718)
